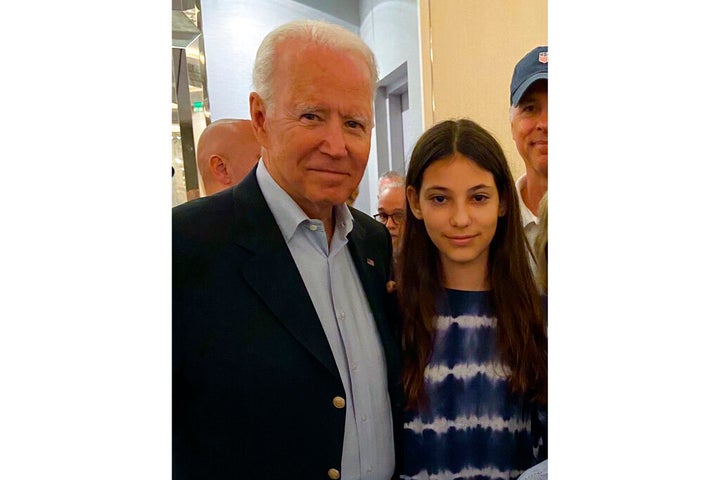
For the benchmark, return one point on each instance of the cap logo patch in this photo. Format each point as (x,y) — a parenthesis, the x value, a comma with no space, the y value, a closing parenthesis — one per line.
(543,57)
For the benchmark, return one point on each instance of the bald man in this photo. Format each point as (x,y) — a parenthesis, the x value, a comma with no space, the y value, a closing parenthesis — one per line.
(227,151)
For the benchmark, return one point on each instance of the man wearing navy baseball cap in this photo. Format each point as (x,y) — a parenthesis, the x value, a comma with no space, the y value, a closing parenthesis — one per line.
(529,126)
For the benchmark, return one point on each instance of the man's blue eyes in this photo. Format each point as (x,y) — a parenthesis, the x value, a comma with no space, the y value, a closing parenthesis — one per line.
(314,117)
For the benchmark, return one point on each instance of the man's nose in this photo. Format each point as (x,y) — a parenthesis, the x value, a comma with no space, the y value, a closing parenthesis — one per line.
(334,139)
(543,120)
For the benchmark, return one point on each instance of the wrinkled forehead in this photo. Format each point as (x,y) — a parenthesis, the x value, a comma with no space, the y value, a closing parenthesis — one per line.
(319,77)
(299,52)
(392,198)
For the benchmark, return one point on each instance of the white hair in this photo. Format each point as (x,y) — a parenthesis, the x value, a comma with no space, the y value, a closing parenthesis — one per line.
(512,112)
(314,31)
(390,179)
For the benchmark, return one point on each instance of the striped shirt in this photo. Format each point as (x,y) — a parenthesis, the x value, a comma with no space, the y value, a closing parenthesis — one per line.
(473,427)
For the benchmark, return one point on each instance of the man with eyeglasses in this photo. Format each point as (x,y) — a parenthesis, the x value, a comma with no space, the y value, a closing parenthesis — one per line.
(391,211)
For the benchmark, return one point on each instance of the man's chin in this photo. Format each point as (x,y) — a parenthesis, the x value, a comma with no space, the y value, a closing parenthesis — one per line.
(540,163)
(332,194)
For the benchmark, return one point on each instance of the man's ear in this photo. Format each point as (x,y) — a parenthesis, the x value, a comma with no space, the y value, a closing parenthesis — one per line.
(414,201)
(258,116)
(218,168)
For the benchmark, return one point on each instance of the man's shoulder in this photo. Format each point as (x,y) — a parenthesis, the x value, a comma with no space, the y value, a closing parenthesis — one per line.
(205,215)
(367,223)
(361,216)
(207,203)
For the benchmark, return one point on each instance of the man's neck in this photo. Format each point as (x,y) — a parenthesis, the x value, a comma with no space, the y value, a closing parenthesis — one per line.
(533,191)
(329,223)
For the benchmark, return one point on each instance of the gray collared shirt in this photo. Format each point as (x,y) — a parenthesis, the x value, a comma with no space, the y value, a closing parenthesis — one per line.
(340,302)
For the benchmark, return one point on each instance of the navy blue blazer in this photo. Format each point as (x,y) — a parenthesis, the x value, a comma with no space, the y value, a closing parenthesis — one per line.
(253,375)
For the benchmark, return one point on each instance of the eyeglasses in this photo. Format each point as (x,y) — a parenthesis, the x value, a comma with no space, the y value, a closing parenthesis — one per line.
(382,217)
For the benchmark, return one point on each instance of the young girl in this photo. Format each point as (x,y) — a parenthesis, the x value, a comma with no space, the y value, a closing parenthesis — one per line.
(474,342)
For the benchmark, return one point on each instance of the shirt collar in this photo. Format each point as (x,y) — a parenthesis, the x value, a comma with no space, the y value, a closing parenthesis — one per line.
(288,214)
(525,213)
(343,220)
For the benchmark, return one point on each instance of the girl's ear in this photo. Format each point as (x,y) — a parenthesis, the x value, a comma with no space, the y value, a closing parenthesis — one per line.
(414,201)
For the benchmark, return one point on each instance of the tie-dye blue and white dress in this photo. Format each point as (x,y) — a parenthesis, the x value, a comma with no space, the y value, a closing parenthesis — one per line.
(472,426)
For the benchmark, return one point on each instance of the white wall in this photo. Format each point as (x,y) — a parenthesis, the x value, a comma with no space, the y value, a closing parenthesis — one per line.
(233,30)
(390,28)
(475,46)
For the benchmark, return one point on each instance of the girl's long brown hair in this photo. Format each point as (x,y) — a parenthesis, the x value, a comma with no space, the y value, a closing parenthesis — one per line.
(521,335)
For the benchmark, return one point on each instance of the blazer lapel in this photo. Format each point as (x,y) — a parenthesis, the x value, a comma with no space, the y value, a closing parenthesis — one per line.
(373,276)
(270,270)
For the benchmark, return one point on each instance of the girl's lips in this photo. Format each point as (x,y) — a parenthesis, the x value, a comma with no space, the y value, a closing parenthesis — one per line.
(461,240)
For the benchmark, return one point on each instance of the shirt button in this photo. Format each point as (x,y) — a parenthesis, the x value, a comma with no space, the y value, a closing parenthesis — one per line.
(354,367)
(339,402)
(342,315)
(334,474)
(364,418)
(313,227)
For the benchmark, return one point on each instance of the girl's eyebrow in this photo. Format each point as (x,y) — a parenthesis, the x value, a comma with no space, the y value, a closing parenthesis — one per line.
(445,189)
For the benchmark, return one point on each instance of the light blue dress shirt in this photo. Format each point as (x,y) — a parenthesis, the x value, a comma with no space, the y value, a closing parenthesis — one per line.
(340,302)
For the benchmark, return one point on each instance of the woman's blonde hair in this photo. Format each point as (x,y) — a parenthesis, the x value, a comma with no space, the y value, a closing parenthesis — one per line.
(541,246)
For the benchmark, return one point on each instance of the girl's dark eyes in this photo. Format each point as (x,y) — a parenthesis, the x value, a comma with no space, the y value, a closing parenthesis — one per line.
(480,197)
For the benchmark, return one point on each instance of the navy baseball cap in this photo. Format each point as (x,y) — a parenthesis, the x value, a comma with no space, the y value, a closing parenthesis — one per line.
(532,67)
